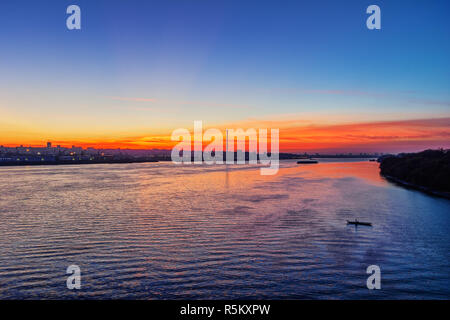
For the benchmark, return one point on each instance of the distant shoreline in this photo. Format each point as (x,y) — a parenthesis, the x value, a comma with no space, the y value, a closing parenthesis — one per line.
(282,156)
(57,163)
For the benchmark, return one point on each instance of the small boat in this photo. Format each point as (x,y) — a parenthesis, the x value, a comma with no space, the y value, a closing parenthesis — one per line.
(359,223)
(307,161)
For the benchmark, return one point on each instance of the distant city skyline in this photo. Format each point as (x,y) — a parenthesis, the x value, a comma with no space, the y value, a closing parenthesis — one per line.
(137,70)
(31,149)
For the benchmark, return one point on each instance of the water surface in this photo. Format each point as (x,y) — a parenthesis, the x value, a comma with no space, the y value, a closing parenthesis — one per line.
(163,231)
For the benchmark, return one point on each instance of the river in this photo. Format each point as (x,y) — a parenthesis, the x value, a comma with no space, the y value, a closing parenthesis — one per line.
(164,231)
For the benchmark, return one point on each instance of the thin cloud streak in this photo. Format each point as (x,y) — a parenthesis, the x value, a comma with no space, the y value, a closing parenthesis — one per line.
(182,102)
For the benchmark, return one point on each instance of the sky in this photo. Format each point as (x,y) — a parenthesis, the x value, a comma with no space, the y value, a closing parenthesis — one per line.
(138,70)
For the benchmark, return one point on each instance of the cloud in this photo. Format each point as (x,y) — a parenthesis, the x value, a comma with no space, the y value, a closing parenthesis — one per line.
(400,134)
(308,136)
(182,102)
(406,96)
(429,102)
(134,99)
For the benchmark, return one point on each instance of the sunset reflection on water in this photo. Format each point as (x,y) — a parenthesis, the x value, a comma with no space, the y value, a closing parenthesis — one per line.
(160,230)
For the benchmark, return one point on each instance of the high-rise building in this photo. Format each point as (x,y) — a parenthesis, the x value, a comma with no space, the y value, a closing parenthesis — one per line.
(49,144)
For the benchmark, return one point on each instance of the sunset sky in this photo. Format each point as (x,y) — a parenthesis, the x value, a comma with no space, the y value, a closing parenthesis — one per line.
(137,70)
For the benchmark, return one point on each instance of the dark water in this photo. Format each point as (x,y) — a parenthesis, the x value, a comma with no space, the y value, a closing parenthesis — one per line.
(160,231)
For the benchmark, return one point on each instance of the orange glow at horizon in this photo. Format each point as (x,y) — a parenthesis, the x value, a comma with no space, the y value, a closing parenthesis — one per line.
(294,137)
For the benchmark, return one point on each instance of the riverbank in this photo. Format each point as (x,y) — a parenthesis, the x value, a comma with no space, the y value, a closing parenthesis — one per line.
(427,171)
(417,187)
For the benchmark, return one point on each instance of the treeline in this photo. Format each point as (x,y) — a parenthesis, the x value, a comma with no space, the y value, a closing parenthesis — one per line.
(429,169)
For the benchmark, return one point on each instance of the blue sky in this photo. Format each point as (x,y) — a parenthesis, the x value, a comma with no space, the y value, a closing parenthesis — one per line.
(157,64)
